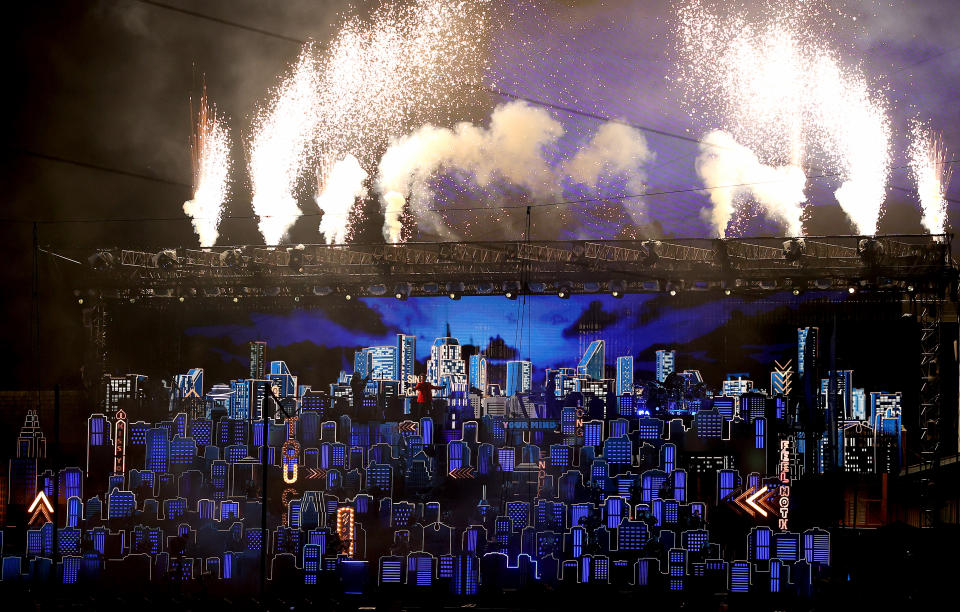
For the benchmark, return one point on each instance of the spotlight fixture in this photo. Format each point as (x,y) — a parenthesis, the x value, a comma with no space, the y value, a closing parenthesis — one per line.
(616,289)
(296,298)
(910,288)
(295,261)
(165,260)
(673,292)
(727,292)
(796,291)
(563,292)
(321,291)
(871,251)
(101,260)
(236,299)
(133,300)
(347,297)
(80,301)
(794,249)
(511,289)
(851,289)
(652,248)
(402,291)
(181,298)
(231,258)
(454,290)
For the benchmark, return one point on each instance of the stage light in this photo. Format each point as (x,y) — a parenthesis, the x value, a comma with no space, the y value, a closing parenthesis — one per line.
(80,301)
(295,261)
(727,292)
(511,289)
(563,292)
(181,298)
(851,290)
(101,260)
(133,300)
(616,289)
(377,289)
(165,260)
(871,251)
(231,258)
(673,292)
(910,288)
(236,299)
(796,291)
(271,291)
(402,291)
(652,247)
(794,249)
(211,291)
(454,290)
(348,297)
(322,291)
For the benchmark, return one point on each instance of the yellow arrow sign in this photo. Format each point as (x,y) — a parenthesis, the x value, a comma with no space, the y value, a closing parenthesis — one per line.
(751,501)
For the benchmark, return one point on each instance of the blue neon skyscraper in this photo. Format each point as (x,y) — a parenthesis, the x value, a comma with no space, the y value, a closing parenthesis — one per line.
(624,374)
(591,364)
(406,357)
(519,377)
(666,363)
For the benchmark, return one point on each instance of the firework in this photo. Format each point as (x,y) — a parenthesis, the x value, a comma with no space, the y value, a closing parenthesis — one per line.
(772,83)
(283,135)
(932,174)
(210,152)
(342,187)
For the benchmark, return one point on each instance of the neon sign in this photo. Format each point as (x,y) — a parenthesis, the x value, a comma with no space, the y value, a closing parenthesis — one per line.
(345,529)
(290,453)
(783,500)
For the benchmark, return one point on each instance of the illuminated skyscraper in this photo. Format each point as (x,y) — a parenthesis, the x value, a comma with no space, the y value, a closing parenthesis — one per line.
(519,377)
(591,364)
(406,358)
(383,362)
(258,360)
(624,375)
(666,362)
(189,384)
(478,372)
(807,348)
(282,380)
(122,392)
(445,364)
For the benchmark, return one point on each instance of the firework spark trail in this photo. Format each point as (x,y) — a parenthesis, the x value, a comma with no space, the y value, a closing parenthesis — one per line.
(773,84)
(932,175)
(731,172)
(343,185)
(210,149)
(282,142)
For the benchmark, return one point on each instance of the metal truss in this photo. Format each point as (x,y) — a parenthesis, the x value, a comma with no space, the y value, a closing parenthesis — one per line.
(921,262)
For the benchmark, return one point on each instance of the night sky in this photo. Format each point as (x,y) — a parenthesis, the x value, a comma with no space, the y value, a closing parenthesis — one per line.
(98,97)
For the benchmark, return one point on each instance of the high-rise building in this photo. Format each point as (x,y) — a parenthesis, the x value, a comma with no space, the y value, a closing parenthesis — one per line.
(123,392)
(843,394)
(666,363)
(284,383)
(383,362)
(258,360)
(445,365)
(478,372)
(519,377)
(736,385)
(189,384)
(624,375)
(362,362)
(157,450)
(406,358)
(592,362)
(807,349)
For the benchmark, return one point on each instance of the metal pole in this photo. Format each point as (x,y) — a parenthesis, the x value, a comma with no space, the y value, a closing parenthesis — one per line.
(264,529)
(55,466)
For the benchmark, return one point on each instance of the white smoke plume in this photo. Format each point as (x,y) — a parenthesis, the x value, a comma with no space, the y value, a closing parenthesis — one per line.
(510,150)
(283,137)
(732,172)
(344,184)
(616,150)
(393,203)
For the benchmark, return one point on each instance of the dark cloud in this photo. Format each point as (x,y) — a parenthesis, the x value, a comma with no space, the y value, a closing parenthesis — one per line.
(497,348)
(593,319)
